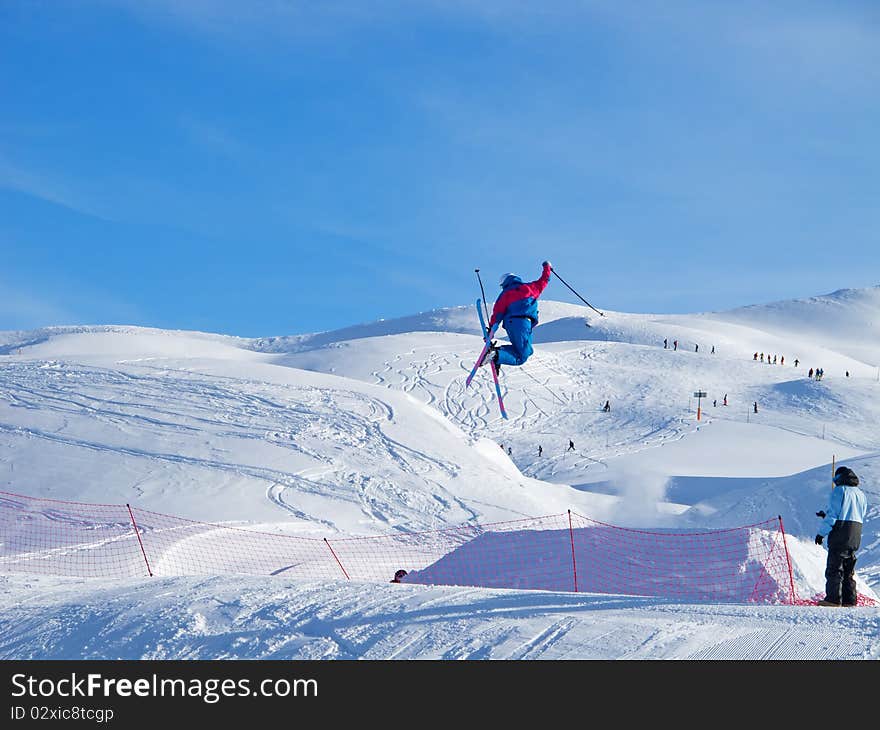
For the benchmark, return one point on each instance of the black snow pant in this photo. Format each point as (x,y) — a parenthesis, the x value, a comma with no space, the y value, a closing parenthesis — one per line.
(840,583)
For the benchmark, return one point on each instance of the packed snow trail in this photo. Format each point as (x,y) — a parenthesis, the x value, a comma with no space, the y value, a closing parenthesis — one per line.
(273,618)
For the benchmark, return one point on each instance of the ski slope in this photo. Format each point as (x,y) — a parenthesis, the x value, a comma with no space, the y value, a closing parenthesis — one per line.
(370,430)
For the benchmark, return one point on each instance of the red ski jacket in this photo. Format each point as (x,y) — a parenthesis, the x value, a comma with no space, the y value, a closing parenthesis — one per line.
(519,299)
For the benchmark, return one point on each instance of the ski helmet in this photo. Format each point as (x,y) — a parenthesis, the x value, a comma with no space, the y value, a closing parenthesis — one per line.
(505,277)
(844,476)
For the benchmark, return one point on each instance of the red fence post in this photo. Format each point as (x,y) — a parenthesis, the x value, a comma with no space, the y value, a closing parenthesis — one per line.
(573,561)
(787,560)
(140,542)
(337,559)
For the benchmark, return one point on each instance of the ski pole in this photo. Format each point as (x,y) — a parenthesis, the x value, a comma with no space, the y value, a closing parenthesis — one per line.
(483,292)
(576,294)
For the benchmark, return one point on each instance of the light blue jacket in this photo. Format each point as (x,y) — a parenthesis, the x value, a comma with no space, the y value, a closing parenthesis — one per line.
(847,504)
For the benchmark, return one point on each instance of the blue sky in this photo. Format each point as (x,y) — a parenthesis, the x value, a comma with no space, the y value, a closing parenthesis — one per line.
(273,167)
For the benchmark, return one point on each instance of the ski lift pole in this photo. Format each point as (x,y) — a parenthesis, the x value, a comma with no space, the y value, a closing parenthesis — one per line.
(553,271)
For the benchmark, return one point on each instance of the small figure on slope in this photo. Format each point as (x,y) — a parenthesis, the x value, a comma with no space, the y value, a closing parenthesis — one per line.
(399,576)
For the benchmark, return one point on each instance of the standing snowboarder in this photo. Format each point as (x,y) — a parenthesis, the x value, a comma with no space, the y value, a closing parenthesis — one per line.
(517,310)
(842,524)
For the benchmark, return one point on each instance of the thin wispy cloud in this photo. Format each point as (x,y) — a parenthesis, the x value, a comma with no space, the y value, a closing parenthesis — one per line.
(47,187)
(23,308)
(829,50)
(257,20)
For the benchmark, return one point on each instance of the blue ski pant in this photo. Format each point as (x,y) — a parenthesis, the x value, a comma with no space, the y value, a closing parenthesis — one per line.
(519,332)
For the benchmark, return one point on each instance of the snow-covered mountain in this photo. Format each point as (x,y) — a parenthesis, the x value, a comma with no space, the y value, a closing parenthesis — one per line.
(370,430)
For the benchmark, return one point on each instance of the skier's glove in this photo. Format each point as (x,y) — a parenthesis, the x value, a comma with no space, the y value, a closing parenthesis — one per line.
(547,263)
(821,514)
(818,539)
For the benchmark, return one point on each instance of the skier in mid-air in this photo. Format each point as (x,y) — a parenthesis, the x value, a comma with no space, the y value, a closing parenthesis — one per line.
(517,310)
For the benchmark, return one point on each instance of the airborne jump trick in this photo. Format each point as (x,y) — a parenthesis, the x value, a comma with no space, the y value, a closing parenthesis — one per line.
(516,309)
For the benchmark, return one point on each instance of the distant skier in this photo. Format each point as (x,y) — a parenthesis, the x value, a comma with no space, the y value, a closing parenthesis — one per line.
(756,406)
(540,450)
(675,344)
(570,445)
(782,360)
(696,348)
(847,373)
(665,343)
(517,310)
(810,374)
(756,357)
(842,524)
(762,357)
(774,359)
(713,350)
(714,403)
(725,400)
(509,451)
(607,406)
(796,361)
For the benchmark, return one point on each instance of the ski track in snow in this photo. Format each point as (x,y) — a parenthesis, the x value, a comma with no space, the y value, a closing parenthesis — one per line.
(232,412)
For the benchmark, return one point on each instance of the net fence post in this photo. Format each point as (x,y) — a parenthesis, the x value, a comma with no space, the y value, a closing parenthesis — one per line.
(787,560)
(140,542)
(337,559)
(573,561)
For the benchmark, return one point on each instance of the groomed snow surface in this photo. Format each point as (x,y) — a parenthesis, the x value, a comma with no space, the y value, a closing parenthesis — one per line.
(370,430)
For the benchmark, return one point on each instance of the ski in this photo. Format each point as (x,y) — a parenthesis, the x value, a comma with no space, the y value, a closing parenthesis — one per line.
(486,346)
(488,337)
